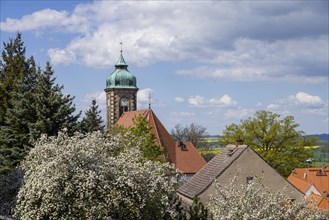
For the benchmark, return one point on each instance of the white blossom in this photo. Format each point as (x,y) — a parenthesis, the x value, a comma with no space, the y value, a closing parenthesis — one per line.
(255,201)
(91,177)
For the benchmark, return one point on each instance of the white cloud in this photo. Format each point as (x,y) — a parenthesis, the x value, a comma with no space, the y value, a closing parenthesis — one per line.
(197,101)
(237,113)
(256,60)
(182,114)
(179,99)
(46,18)
(84,103)
(225,100)
(60,56)
(273,107)
(301,103)
(307,99)
(236,48)
(100,97)
(200,101)
(143,97)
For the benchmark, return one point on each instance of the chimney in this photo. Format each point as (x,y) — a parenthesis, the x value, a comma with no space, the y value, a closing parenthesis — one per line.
(238,142)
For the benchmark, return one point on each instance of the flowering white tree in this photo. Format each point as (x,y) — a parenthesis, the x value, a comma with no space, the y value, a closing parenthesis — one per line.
(91,177)
(255,201)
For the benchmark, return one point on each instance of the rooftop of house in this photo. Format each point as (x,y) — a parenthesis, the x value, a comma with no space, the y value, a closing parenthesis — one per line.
(184,155)
(320,201)
(318,176)
(214,168)
(299,184)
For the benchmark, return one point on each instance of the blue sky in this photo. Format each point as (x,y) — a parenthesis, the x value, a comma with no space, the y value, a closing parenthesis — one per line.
(212,63)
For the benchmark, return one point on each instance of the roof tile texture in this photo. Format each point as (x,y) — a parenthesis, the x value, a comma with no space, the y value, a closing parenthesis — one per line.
(318,176)
(302,178)
(214,168)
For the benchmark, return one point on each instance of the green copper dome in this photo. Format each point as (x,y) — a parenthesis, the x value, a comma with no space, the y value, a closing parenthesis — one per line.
(121,77)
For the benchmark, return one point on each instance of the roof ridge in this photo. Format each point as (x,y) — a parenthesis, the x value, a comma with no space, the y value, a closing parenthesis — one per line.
(221,161)
(150,113)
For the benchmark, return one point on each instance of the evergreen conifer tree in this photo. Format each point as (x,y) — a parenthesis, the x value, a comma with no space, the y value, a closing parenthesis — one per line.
(54,110)
(13,67)
(14,138)
(92,120)
(31,104)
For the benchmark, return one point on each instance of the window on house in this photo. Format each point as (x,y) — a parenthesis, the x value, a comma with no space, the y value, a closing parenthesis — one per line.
(249,179)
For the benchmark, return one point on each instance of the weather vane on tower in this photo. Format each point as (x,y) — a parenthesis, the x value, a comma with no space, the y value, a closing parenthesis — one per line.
(121,47)
(149,100)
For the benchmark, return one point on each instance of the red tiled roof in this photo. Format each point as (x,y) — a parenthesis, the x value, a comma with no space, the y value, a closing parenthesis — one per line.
(299,184)
(319,177)
(188,160)
(319,201)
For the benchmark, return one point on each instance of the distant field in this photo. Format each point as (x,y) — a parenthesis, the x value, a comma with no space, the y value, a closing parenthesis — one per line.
(319,164)
(211,142)
(320,151)
(209,153)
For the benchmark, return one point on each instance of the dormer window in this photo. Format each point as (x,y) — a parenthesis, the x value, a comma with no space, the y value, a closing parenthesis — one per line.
(182,146)
(320,172)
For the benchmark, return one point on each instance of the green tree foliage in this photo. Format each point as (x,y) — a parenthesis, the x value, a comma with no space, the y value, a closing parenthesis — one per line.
(30,104)
(277,140)
(150,149)
(17,97)
(13,67)
(193,133)
(14,132)
(197,210)
(54,110)
(92,120)
(83,177)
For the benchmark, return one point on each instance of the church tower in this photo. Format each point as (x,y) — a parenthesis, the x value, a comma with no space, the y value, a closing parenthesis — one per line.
(121,92)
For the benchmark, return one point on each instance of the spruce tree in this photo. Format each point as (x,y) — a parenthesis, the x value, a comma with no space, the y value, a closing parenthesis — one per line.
(13,68)
(31,104)
(92,120)
(54,110)
(14,138)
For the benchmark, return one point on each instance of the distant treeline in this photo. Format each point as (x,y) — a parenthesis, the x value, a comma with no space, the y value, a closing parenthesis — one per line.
(323,137)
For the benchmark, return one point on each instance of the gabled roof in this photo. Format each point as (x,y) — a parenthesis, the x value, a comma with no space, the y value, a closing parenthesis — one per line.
(299,184)
(211,171)
(188,160)
(320,201)
(319,177)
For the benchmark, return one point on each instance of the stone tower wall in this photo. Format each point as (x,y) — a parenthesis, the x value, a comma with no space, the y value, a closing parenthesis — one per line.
(113,105)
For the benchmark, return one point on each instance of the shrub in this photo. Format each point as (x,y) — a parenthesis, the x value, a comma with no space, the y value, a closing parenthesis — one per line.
(92,177)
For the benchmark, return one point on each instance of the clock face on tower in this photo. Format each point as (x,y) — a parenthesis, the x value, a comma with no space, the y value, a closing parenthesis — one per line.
(124,102)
